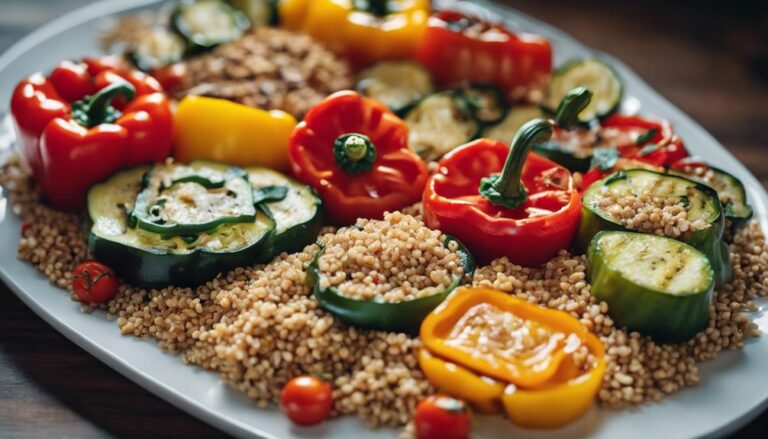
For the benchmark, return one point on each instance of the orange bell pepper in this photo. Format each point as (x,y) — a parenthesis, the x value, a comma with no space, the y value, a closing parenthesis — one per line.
(524,362)
(388,29)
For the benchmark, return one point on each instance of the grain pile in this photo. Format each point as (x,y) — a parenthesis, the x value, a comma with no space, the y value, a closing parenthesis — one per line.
(259,326)
(269,68)
(394,260)
(644,212)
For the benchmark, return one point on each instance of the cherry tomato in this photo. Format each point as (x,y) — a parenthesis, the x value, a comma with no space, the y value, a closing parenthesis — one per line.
(94,282)
(442,417)
(307,400)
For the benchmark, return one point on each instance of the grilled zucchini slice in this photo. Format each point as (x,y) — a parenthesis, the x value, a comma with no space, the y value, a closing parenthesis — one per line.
(397,84)
(600,78)
(440,123)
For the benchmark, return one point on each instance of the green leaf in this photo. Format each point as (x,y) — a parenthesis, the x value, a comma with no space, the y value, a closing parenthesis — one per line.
(604,158)
(645,138)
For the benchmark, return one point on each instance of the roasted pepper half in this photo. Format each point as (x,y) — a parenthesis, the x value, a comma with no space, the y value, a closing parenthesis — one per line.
(220,130)
(495,350)
(85,121)
(502,201)
(459,48)
(354,152)
(364,30)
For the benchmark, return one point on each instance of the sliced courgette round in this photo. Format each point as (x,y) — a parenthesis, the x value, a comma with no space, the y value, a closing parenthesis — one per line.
(149,260)
(259,12)
(730,189)
(298,217)
(440,123)
(700,203)
(506,130)
(597,76)
(156,49)
(486,102)
(654,285)
(397,84)
(205,24)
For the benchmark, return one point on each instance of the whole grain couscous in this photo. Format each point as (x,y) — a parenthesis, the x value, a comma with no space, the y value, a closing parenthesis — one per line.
(259,326)
(394,260)
(645,212)
(271,69)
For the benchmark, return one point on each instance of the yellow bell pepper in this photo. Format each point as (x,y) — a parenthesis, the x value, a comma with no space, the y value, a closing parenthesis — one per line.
(361,35)
(521,344)
(225,131)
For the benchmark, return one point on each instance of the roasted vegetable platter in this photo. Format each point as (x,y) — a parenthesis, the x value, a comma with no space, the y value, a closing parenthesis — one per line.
(188,187)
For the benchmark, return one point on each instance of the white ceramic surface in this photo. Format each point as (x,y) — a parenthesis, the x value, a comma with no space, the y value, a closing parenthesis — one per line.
(733,389)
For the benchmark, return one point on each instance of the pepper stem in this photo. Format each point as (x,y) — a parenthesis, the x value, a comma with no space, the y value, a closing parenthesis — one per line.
(98,109)
(354,153)
(507,189)
(571,106)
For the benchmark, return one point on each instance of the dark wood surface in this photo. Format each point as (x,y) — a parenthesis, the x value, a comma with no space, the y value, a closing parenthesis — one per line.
(708,57)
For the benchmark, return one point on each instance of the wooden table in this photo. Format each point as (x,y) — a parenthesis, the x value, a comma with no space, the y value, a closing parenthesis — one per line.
(707,57)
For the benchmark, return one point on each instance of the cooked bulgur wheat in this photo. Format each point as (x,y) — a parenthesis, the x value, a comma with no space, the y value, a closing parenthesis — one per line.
(394,260)
(269,68)
(664,216)
(259,326)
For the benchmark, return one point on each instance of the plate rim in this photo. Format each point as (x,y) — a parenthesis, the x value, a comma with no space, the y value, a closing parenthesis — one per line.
(105,8)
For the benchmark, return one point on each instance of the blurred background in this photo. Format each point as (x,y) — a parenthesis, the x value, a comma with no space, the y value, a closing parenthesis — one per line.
(709,57)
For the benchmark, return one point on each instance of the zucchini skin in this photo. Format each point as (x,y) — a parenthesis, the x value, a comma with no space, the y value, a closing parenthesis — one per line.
(665,317)
(393,317)
(148,269)
(297,237)
(563,70)
(708,241)
(557,154)
(195,45)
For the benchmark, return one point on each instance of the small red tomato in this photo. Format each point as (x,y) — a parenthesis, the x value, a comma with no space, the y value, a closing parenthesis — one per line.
(442,417)
(94,282)
(307,400)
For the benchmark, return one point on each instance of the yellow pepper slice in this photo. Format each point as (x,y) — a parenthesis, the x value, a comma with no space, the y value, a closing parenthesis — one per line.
(501,336)
(360,35)
(563,399)
(483,393)
(491,348)
(225,131)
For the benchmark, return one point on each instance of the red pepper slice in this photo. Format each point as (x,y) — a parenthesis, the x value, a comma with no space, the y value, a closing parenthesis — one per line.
(354,151)
(457,48)
(87,120)
(643,139)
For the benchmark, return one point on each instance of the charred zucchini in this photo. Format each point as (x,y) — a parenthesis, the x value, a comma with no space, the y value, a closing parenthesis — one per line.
(150,260)
(654,285)
(505,130)
(730,189)
(397,84)
(259,12)
(440,123)
(205,24)
(700,203)
(597,76)
(486,101)
(156,49)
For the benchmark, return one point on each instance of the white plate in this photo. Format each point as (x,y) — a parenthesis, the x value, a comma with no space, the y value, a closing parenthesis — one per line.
(733,388)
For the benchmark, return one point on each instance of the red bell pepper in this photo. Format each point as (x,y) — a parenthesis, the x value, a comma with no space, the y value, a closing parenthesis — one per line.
(643,139)
(460,48)
(527,213)
(87,120)
(641,143)
(354,151)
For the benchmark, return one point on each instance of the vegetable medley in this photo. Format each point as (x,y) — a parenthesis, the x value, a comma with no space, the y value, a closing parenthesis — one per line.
(488,232)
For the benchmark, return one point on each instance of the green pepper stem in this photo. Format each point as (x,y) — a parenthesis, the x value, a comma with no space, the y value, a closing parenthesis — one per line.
(571,105)
(354,153)
(507,189)
(98,109)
